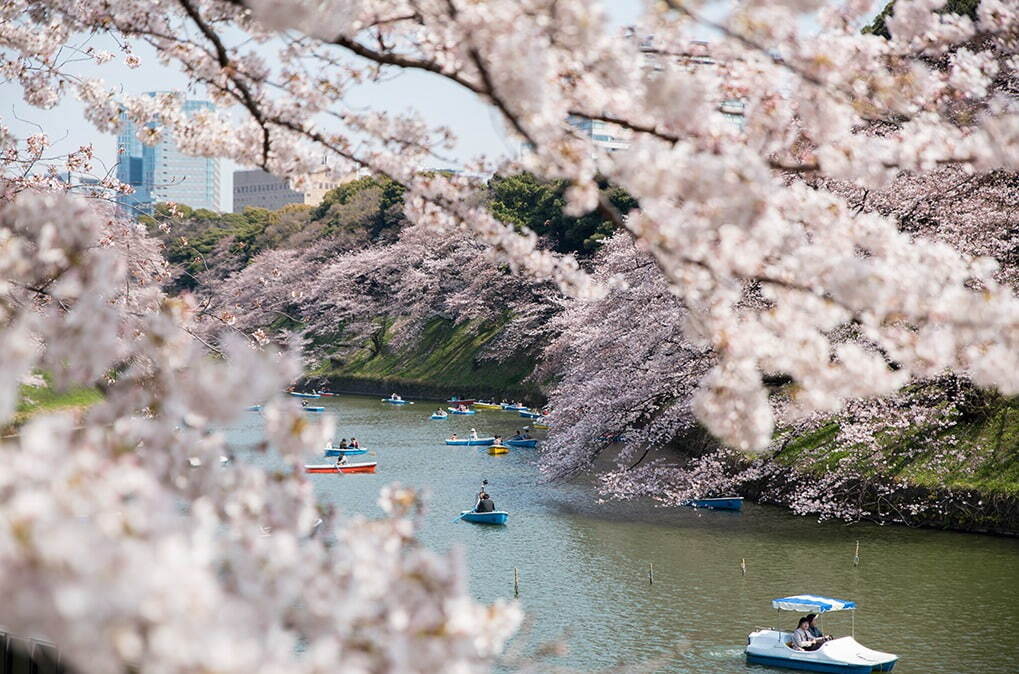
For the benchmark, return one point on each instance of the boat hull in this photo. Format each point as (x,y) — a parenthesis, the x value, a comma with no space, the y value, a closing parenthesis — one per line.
(304,395)
(513,408)
(463,401)
(498,449)
(345,468)
(496,517)
(529,415)
(845,655)
(345,452)
(395,402)
(470,441)
(312,408)
(732,503)
(440,416)
(488,406)
(530,442)
(453,411)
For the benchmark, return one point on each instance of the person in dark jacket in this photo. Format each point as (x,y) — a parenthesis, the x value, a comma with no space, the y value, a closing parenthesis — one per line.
(485,503)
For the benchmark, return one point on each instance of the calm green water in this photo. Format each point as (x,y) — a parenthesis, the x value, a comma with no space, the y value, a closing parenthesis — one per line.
(944,602)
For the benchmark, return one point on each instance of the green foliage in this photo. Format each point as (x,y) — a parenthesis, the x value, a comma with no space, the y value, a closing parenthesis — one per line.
(373,203)
(526,201)
(879,27)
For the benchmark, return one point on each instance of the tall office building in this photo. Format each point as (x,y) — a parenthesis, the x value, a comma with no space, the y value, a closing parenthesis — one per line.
(162,173)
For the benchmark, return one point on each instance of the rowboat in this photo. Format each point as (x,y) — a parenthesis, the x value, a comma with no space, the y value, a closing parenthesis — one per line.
(461,401)
(304,395)
(254,408)
(487,406)
(528,414)
(539,426)
(495,517)
(440,416)
(776,648)
(523,442)
(336,451)
(498,449)
(328,393)
(313,408)
(345,468)
(396,401)
(514,408)
(471,441)
(726,503)
(453,410)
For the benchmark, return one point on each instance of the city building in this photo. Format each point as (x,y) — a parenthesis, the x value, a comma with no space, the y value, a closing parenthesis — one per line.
(259,189)
(162,173)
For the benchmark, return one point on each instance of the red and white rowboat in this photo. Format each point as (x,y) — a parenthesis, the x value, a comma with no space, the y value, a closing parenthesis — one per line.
(368,467)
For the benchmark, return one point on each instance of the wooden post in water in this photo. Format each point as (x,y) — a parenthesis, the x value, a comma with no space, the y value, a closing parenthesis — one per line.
(516,582)
(743,566)
(650,573)
(856,556)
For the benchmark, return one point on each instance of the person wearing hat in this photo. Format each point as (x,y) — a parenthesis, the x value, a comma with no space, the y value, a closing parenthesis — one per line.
(474,434)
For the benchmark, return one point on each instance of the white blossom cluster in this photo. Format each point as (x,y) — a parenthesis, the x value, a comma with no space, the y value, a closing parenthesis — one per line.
(126,540)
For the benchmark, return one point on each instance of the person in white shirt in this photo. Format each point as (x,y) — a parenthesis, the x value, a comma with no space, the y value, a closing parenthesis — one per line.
(803,640)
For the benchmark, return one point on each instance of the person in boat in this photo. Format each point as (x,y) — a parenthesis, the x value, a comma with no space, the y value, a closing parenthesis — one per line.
(340,460)
(354,444)
(803,640)
(304,403)
(485,503)
(498,440)
(343,444)
(453,437)
(815,631)
(474,434)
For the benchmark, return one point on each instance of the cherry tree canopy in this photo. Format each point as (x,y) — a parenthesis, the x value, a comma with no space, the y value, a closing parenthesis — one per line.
(716,206)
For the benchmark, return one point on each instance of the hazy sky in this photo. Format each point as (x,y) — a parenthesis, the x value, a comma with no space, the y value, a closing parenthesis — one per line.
(476,125)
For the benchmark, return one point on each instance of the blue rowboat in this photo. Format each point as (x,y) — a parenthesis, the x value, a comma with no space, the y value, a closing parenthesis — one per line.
(393,401)
(313,408)
(254,408)
(304,395)
(471,441)
(727,503)
(453,410)
(495,517)
(440,416)
(524,442)
(515,408)
(528,414)
(335,451)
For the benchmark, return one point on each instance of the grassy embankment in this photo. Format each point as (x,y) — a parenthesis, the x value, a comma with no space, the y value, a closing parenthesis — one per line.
(987,459)
(445,359)
(34,400)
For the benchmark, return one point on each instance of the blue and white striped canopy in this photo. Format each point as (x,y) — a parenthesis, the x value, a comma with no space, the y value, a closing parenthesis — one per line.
(812,602)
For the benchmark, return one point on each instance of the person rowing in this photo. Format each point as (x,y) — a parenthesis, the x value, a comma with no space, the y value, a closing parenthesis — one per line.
(485,503)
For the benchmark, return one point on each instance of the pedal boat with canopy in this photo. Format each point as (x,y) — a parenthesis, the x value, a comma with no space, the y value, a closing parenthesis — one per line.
(775,648)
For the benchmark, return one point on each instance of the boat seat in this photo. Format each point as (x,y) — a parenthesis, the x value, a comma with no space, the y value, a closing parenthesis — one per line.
(792,645)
